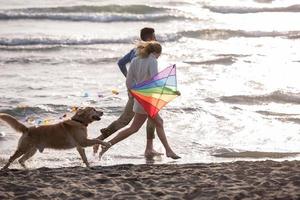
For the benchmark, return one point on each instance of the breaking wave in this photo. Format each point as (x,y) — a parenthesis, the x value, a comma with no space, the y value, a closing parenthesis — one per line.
(109,13)
(133,9)
(206,34)
(56,61)
(244,10)
(217,61)
(53,42)
(216,34)
(48,40)
(113,17)
(277,97)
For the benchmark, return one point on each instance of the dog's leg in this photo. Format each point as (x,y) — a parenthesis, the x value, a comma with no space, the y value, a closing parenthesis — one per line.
(16,155)
(83,156)
(91,142)
(26,156)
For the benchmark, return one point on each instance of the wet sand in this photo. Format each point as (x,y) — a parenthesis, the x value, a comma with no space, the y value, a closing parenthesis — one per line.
(237,180)
(256,154)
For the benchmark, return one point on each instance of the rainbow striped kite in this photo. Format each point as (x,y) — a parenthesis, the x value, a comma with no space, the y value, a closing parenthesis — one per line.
(155,93)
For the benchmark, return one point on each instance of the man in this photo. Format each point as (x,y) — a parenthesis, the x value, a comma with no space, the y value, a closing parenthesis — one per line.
(146,34)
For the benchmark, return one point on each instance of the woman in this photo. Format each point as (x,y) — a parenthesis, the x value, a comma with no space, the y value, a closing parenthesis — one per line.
(142,68)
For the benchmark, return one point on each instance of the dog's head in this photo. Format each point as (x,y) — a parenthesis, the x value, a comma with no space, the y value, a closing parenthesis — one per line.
(87,115)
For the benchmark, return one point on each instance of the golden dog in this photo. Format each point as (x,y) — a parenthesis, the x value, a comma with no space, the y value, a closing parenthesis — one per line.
(64,135)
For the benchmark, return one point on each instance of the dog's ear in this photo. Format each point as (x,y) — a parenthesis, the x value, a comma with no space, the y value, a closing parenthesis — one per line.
(80,112)
(79,115)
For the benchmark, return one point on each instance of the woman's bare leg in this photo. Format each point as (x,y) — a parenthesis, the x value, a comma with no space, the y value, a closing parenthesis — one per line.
(162,137)
(137,123)
(149,151)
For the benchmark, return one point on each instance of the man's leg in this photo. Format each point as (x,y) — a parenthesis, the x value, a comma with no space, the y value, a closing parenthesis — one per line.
(149,151)
(121,122)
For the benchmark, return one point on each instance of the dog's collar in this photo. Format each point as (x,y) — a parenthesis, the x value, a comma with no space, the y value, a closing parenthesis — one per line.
(81,122)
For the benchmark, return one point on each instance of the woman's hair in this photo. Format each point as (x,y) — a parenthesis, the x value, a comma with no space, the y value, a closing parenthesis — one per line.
(146,48)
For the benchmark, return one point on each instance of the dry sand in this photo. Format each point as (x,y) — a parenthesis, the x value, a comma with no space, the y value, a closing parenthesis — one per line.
(238,180)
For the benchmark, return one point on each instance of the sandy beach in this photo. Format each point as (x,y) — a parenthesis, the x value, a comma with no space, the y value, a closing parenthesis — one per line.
(237,180)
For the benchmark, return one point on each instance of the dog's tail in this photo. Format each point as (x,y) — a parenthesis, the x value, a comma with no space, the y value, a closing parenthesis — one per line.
(14,123)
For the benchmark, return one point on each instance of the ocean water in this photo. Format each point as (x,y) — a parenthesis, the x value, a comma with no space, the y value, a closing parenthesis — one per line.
(237,64)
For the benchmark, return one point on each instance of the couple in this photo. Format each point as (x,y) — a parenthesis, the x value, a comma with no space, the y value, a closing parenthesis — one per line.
(143,66)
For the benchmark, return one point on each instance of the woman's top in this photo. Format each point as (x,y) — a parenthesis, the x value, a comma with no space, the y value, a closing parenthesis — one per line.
(141,69)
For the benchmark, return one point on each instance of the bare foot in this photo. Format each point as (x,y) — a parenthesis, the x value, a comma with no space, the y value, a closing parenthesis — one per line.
(104,149)
(103,145)
(96,146)
(152,153)
(172,155)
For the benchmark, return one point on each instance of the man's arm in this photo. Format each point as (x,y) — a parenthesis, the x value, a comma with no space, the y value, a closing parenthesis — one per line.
(125,60)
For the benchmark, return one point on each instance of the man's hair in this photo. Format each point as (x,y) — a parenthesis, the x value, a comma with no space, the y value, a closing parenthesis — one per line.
(146,33)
